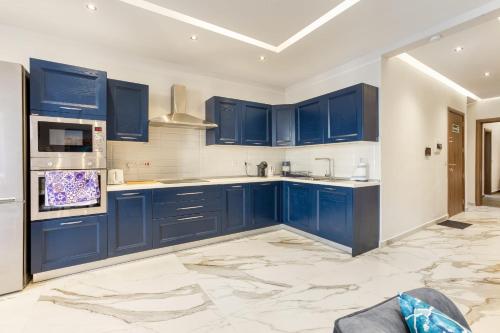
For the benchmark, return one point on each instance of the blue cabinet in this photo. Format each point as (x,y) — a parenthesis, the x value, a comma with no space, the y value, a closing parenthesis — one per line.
(309,122)
(353,114)
(283,130)
(334,214)
(129,222)
(255,124)
(181,229)
(298,203)
(128,111)
(236,208)
(66,242)
(226,114)
(67,91)
(265,204)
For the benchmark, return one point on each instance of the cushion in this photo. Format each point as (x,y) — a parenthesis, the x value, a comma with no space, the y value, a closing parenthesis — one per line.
(423,318)
(386,317)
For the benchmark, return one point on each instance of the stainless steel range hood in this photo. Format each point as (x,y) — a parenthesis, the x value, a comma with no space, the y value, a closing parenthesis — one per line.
(178,116)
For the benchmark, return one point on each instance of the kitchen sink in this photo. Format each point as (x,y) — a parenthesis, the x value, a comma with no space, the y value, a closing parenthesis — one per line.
(180,181)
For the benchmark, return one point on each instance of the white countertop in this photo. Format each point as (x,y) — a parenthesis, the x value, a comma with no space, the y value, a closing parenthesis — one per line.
(239,180)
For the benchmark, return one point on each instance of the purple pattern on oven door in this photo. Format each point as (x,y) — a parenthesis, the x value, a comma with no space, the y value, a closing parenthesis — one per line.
(66,188)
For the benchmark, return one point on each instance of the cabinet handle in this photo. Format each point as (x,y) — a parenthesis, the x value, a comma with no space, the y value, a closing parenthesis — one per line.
(340,139)
(229,142)
(188,208)
(71,223)
(257,143)
(7,200)
(191,218)
(70,108)
(128,137)
(129,194)
(189,193)
(308,142)
(266,184)
(330,189)
(236,186)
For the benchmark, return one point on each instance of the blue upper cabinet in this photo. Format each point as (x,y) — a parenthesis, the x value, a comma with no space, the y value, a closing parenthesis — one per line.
(265,204)
(309,122)
(353,114)
(298,203)
(283,130)
(67,91)
(226,114)
(128,111)
(129,222)
(255,124)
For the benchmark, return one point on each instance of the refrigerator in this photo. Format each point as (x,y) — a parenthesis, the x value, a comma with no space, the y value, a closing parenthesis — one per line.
(13,177)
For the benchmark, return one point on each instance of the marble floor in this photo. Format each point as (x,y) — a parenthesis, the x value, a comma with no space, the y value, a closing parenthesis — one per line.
(273,282)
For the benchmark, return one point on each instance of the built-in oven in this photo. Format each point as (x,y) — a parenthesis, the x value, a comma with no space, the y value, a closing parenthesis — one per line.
(67,143)
(41,211)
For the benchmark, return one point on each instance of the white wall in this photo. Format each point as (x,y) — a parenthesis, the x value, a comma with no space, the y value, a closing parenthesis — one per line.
(172,152)
(346,155)
(494,128)
(413,116)
(479,110)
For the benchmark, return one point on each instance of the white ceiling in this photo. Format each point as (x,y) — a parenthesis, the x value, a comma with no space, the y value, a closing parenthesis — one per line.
(481,54)
(369,27)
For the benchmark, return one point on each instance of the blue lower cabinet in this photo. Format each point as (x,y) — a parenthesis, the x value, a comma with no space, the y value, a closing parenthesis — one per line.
(236,207)
(265,204)
(129,222)
(298,205)
(334,214)
(66,242)
(181,229)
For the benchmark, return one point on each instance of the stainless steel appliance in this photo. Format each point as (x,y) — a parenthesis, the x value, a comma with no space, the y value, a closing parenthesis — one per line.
(66,144)
(261,169)
(13,177)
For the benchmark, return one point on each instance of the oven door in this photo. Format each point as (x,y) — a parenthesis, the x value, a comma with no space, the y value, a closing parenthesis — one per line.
(58,137)
(39,211)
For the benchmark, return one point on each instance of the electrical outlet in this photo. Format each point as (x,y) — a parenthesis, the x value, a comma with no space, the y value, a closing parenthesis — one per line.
(147,164)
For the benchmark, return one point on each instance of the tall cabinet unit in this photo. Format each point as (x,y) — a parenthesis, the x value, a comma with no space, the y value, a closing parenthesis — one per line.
(67,91)
(128,111)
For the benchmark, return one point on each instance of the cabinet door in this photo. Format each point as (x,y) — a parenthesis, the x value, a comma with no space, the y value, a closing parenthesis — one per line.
(67,91)
(297,205)
(283,125)
(227,117)
(345,115)
(309,122)
(67,242)
(129,222)
(334,214)
(255,124)
(264,204)
(128,111)
(237,198)
(182,229)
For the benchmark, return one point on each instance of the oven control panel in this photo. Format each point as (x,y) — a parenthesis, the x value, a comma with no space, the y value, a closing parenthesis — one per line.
(99,139)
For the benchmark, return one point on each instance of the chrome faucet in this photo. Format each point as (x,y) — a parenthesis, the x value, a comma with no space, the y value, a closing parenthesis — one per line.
(330,173)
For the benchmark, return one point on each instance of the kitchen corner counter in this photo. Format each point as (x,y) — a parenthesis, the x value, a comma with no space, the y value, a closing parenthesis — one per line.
(240,180)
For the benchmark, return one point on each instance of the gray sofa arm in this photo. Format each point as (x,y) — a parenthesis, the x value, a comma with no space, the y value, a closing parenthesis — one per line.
(386,316)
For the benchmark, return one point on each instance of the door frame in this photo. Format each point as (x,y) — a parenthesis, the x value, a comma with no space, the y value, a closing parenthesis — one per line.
(461,114)
(479,156)
(487,175)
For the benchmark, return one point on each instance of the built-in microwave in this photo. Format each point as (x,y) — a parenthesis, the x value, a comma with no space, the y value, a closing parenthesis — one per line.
(67,143)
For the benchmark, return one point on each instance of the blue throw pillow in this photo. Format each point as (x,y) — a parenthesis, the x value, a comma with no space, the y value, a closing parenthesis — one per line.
(420,317)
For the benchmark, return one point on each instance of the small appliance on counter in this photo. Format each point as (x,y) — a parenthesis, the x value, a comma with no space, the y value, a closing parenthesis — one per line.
(115,177)
(261,169)
(361,172)
(286,168)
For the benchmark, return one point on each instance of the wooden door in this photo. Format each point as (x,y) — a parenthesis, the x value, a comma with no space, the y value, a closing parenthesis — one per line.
(456,183)
(487,162)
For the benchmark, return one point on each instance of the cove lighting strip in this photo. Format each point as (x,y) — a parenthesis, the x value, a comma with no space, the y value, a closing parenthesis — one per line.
(436,75)
(336,11)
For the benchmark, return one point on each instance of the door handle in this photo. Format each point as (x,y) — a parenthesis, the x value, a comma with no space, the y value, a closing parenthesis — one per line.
(71,223)
(7,200)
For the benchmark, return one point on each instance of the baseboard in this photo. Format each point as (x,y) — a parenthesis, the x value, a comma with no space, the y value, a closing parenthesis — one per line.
(317,238)
(412,231)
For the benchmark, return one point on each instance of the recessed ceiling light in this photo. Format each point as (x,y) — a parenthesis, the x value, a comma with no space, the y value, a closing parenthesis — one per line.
(262,58)
(193,37)
(458,49)
(92,7)
(435,38)
(487,74)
